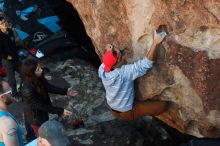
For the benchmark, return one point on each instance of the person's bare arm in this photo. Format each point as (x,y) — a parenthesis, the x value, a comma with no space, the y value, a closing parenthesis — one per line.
(9,131)
(5,86)
(157,39)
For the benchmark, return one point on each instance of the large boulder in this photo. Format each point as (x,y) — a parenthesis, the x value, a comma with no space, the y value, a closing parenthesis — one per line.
(187,67)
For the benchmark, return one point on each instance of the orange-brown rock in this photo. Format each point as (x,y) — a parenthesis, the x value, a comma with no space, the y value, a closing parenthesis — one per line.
(187,67)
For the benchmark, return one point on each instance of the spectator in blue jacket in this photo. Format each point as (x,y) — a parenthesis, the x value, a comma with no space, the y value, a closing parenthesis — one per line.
(51,133)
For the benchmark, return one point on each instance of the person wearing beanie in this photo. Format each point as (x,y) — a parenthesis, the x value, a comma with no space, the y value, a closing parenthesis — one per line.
(118,80)
(51,133)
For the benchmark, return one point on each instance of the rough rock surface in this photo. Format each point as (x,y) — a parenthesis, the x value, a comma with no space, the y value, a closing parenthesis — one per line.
(187,70)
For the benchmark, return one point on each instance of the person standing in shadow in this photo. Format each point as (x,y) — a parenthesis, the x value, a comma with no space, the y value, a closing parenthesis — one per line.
(9,55)
(35,89)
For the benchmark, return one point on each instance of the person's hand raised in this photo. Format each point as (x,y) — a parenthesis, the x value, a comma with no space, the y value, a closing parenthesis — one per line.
(67,112)
(71,92)
(9,57)
(158,37)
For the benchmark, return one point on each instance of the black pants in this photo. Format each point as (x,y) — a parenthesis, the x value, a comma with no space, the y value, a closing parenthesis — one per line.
(10,68)
(30,132)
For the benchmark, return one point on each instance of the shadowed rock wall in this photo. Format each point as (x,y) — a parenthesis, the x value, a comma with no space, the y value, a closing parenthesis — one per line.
(187,68)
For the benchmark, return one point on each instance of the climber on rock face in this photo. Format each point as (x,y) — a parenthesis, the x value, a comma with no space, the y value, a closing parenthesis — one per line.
(118,80)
